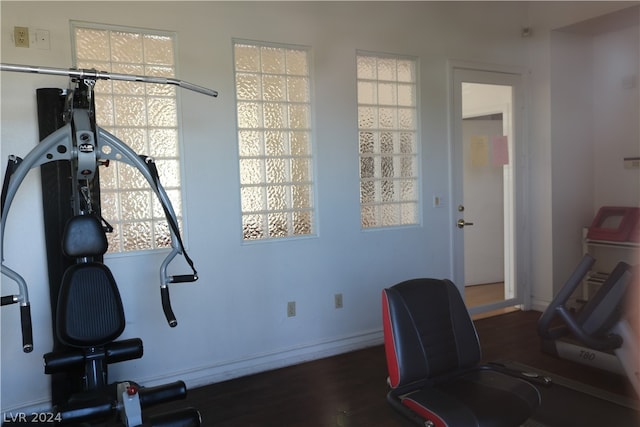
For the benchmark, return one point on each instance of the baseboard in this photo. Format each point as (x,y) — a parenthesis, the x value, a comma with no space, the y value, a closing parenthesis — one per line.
(222,371)
(539,305)
(227,370)
(27,410)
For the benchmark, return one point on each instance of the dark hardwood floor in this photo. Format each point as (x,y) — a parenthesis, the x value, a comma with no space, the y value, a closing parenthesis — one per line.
(349,390)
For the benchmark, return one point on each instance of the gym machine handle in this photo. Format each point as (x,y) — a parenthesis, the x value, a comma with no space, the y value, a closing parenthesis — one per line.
(188,417)
(25,321)
(83,411)
(183,278)
(27,333)
(166,307)
(9,299)
(151,396)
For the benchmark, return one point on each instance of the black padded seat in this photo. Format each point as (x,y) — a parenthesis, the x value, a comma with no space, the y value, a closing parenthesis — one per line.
(433,356)
(90,311)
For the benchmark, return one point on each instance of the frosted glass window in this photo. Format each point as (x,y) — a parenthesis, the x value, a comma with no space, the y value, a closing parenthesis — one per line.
(145,117)
(273,98)
(387,133)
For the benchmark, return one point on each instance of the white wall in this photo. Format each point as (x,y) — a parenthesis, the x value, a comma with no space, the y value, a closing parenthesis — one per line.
(572,131)
(549,261)
(233,320)
(616,112)
(594,115)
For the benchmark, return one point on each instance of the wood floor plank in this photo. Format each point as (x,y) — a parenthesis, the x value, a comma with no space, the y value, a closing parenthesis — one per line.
(349,390)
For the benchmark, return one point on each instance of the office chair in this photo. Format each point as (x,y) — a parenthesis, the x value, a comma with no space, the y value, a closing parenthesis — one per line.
(433,355)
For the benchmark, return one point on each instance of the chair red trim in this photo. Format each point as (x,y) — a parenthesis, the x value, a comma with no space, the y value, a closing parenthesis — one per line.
(424,412)
(389,344)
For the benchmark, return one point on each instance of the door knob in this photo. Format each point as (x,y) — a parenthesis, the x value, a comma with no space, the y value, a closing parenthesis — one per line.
(461,223)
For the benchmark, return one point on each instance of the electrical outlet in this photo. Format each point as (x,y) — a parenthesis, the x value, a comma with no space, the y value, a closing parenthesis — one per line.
(21,36)
(291,309)
(338,300)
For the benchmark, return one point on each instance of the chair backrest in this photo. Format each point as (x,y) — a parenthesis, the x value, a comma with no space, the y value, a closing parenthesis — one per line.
(427,331)
(89,311)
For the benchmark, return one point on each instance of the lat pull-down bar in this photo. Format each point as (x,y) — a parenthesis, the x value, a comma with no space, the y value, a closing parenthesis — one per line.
(104,75)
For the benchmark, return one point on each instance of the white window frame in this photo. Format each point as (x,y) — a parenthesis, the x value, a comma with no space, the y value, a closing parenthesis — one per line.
(258,186)
(160,237)
(372,194)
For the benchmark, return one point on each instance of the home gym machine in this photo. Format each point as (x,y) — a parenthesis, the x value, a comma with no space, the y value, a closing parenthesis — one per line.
(599,334)
(87,312)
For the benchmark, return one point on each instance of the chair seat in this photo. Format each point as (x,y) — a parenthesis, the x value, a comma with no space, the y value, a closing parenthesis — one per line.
(433,356)
(477,398)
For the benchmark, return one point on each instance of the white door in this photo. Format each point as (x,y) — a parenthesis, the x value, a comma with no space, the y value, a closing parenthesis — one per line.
(487,184)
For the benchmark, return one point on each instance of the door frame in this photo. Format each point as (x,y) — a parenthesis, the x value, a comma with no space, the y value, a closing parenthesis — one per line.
(518,256)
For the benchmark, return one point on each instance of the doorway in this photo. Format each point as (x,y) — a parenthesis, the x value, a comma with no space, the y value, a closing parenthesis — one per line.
(485,204)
